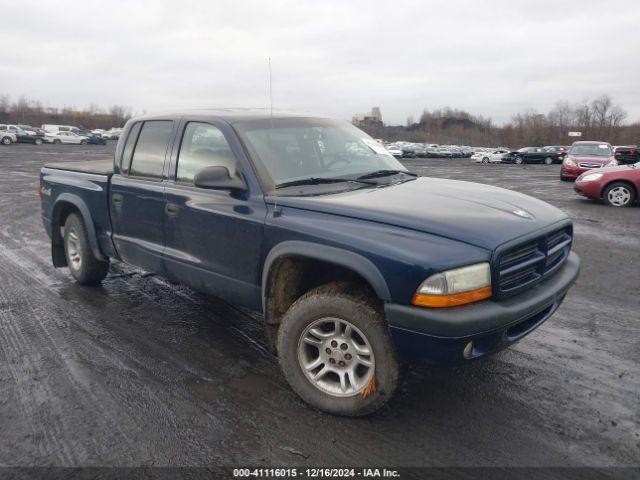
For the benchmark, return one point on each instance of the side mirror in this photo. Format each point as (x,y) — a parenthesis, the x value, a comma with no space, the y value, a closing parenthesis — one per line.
(219,178)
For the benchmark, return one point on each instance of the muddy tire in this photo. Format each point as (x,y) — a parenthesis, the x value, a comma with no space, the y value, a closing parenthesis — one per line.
(336,352)
(83,265)
(619,194)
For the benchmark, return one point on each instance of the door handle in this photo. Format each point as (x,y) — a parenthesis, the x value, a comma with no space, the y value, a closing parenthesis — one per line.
(171,209)
(117,199)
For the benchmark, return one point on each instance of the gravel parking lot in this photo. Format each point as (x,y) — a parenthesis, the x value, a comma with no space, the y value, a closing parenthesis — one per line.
(140,371)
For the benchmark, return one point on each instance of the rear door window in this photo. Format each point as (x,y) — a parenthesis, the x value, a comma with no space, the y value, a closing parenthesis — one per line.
(151,148)
(127,153)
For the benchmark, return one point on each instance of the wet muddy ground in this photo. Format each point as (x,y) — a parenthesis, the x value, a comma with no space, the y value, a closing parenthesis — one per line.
(141,372)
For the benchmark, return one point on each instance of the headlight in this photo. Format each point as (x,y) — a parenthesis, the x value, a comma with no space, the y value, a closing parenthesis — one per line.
(455,287)
(569,162)
(592,177)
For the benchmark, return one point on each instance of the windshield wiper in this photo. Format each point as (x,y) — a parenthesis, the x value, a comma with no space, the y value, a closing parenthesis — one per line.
(319,180)
(383,173)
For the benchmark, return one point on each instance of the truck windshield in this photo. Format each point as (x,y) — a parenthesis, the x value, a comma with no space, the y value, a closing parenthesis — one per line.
(292,149)
(595,149)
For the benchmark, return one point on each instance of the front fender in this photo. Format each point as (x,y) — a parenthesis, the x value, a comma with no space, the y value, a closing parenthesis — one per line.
(340,257)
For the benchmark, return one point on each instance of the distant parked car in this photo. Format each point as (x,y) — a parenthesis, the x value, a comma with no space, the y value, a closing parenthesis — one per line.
(408,153)
(113,134)
(93,139)
(7,138)
(67,137)
(395,151)
(432,152)
(585,156)
(626,155)
(49,128)
(617,186)
(489,157)
(420,152)
(456,152)
(557,153)
(444,153)
(529,155)
(25,137)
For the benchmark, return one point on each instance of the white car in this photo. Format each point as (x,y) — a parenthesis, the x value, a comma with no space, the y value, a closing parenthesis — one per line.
(494,156)
(395,151)
(66,137)
(7,137)
(112,134)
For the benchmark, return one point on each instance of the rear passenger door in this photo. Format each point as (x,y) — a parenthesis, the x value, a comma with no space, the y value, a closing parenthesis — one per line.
(137,202)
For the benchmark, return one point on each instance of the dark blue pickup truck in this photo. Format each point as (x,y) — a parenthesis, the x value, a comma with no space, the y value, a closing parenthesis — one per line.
(356,263)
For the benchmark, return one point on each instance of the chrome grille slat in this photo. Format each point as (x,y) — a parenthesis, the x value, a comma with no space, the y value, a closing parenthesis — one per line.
(530,262)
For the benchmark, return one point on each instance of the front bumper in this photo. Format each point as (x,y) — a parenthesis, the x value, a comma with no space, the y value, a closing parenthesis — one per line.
(440,336)
(571,172)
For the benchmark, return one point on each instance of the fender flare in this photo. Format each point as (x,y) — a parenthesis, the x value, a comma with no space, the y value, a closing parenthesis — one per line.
(344,258)
(77,202)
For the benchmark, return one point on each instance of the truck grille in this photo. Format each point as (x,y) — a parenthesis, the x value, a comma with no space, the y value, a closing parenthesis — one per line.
(528,263)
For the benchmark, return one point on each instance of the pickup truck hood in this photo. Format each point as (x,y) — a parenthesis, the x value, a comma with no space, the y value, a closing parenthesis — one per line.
(473,213)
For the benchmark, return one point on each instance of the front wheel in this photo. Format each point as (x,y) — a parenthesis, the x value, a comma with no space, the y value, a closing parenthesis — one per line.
(6,140)
(83,265)
(548,161)
(38,141)
(83,142)
(57,142)
(518,160)
(619,194)
(336,352)
(485,160)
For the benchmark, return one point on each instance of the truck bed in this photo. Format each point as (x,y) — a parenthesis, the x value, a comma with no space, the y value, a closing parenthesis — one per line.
(97,167)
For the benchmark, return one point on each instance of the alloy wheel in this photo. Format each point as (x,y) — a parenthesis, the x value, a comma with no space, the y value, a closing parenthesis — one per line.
(73,250)
(619,196)
(336,357)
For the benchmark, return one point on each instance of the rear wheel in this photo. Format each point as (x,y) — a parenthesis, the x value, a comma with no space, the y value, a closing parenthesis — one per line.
(619,194)
(6,140)
(83,265)
(518,160)
(485,160)
(83,142)
(336,352)
(57,142)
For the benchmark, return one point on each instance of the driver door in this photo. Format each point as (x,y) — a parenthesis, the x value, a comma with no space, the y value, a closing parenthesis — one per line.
(213,237)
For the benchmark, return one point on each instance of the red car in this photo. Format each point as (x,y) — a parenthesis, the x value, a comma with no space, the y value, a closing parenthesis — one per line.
(585,156)
(617,186)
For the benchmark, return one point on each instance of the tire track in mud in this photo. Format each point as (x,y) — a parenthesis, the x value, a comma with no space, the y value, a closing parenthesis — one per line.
(34,284)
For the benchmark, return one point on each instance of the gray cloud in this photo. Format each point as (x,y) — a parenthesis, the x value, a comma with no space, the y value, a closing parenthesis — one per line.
(332,57)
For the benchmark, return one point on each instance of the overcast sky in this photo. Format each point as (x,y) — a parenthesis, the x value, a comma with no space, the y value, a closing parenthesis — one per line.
(336,58)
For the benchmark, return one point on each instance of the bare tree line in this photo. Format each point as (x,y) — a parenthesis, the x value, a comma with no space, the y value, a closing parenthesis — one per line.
(31,112)
(597,119)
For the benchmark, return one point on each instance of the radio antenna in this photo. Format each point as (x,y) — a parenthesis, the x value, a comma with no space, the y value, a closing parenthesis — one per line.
(270,91)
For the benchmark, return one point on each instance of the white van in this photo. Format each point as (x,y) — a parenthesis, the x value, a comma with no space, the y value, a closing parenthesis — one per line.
(59,128)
